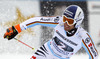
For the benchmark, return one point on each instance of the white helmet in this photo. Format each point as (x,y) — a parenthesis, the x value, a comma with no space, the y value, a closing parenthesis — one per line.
(76,13)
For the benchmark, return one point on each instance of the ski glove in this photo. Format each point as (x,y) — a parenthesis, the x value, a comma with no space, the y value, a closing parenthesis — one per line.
(12,32)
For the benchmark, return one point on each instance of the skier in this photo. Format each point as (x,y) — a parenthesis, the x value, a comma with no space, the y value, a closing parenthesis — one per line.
(68,36)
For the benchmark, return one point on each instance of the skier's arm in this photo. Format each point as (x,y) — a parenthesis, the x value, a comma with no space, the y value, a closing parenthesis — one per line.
(89,46)
(45,21)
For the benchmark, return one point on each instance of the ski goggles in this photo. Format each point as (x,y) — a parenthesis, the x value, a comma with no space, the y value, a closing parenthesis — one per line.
(69,21)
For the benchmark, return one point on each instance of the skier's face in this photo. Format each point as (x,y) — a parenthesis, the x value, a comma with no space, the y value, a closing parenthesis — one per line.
(67,27)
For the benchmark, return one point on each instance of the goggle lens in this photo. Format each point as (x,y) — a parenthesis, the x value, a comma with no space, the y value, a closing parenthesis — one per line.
(68,20)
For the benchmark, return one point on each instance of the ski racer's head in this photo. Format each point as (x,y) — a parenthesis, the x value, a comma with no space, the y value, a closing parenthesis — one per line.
(72,17)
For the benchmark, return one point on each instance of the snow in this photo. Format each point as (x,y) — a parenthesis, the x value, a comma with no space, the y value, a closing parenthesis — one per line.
(24,56)
(13,49)
(15,56)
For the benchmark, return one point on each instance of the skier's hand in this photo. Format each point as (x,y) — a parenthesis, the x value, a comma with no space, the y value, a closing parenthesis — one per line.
(12,32)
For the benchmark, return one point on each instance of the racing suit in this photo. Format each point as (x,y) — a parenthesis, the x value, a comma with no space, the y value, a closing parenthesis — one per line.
(61,46)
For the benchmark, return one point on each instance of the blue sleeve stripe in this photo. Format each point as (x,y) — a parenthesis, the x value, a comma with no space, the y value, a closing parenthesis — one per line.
(40,22)
(87,50)
(29,26)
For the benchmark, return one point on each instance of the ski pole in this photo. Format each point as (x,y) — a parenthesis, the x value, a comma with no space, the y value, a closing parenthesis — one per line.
(24,43)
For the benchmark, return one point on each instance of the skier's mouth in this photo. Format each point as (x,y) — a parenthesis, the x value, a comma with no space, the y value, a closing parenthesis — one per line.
(67,27)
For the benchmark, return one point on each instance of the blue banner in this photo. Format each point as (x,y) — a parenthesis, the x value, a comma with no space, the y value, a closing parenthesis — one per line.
(69,0)
(63,0)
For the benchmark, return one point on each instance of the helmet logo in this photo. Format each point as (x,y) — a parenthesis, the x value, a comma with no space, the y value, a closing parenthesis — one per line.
(78,20)
(79,14)
(68,13)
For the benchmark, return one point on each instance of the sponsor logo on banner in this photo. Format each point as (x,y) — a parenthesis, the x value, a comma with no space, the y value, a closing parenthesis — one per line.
(94,7)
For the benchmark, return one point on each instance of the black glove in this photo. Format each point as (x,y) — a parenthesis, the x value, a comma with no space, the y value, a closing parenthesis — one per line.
(10,33)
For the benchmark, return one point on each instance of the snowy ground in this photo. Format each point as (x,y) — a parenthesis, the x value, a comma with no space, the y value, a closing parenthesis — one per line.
(14,56)
(28,56)
(24,56)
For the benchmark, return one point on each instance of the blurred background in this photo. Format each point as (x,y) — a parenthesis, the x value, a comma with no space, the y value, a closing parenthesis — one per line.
(13,12)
